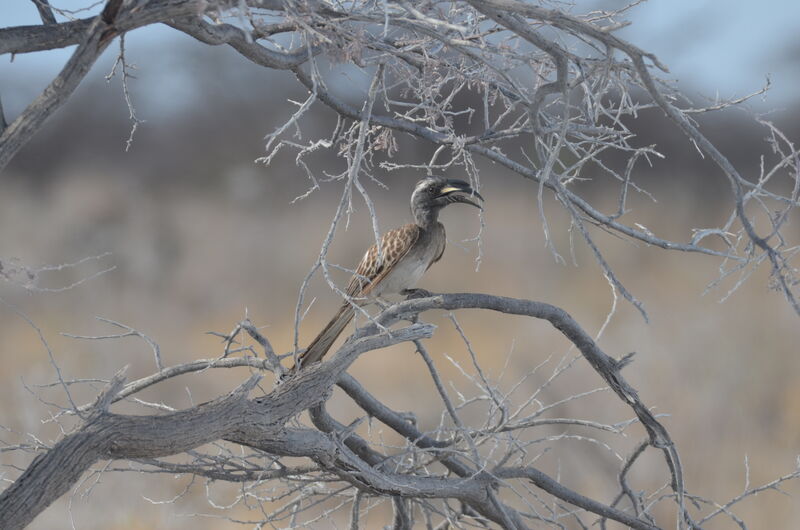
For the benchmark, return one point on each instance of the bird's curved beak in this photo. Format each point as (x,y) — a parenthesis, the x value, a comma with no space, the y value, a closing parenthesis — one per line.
(456,190)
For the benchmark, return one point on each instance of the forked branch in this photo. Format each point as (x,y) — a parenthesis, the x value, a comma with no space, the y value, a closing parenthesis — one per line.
(260,423)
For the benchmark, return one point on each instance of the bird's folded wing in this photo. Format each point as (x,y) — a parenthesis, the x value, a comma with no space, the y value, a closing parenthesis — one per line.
(370,272)
(373,268)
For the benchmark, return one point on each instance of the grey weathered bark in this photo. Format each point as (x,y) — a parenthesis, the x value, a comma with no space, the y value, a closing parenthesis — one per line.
(257,423)
(260,423)
(475,46)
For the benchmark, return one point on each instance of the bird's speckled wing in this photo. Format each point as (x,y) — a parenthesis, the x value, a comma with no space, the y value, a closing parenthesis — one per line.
(394,245)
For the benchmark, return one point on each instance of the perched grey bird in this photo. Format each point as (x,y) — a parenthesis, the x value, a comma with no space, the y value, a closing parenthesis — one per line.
(406,253)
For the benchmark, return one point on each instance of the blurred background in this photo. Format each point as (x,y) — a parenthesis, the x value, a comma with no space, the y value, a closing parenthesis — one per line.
(200,235)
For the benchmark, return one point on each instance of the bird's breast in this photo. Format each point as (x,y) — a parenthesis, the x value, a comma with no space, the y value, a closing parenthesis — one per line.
(408,271)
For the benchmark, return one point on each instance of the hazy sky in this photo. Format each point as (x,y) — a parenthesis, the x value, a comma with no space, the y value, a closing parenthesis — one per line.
(714,46)
(725,46)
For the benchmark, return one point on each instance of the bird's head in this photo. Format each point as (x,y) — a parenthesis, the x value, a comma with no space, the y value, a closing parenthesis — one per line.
(431,194)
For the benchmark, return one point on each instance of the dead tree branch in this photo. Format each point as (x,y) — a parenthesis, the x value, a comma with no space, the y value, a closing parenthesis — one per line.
(336,450)
(555,95)
(579,96)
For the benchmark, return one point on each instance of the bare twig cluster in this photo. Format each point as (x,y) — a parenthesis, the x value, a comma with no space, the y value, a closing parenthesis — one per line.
(34,278)
(554,94)
(453,473)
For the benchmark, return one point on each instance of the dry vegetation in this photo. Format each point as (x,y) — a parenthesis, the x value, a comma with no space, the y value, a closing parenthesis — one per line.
(720,376)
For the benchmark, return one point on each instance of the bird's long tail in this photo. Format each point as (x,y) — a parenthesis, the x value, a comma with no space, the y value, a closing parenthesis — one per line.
(323,342)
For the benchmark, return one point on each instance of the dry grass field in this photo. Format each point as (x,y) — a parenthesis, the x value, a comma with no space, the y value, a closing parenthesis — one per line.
(200,237)
(188,263)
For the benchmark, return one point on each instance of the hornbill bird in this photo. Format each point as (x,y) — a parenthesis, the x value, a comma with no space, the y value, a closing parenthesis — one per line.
(405,254)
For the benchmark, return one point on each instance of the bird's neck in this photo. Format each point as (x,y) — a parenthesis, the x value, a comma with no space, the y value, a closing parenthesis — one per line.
(426,218)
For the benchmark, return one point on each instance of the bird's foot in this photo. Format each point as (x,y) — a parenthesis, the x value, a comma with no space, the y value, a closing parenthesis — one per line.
(410,417)
(284,374)
(412,294)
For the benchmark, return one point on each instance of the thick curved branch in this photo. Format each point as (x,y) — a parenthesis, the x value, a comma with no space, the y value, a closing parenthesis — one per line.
(483,500)
(375,408)
(259,423)
(556,489)
(608,368)
(28,123)
(113,436)
(474,488)
(26,39)
(256,423)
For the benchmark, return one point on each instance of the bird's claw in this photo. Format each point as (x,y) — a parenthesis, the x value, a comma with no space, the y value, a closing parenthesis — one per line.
(412,294)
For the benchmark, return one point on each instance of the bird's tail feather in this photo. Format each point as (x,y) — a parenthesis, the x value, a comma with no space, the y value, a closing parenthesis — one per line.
(323,342)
